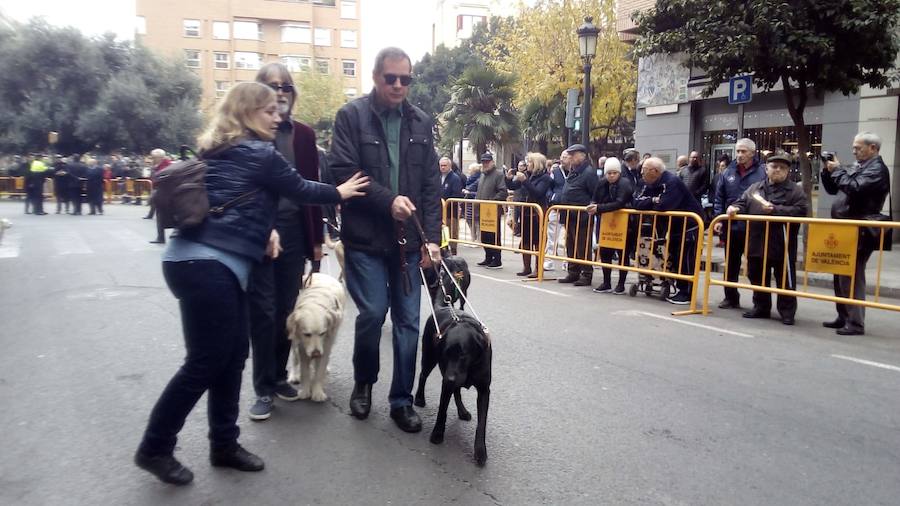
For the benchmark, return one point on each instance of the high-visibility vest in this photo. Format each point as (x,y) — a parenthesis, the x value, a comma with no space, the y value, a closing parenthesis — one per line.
(38,166)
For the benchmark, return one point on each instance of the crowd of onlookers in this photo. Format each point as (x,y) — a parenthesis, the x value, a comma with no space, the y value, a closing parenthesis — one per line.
(77,180)
(749,184)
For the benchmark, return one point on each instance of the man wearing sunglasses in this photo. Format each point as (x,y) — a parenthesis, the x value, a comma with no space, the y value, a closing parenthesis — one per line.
(391,141)
(275,283)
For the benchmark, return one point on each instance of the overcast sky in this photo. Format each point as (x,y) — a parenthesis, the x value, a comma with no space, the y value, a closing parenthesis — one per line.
(403,23)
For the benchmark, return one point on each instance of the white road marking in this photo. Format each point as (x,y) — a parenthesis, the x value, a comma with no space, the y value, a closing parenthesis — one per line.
(868,362)
(521,284)
(69,242)
(11,244)
(682,321)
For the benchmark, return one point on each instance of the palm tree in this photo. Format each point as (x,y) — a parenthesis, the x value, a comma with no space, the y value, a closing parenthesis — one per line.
(481,109)
(543,122)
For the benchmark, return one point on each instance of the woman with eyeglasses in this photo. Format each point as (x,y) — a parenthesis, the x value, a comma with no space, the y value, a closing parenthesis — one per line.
(207,269)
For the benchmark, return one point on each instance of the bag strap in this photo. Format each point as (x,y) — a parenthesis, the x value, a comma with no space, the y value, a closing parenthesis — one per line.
(221,209)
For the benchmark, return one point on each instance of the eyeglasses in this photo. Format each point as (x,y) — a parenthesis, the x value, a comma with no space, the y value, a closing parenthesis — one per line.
(287,88)
(392,78)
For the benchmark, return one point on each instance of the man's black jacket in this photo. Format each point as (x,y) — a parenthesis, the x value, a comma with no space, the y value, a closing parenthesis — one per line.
(359,145)
(861,192)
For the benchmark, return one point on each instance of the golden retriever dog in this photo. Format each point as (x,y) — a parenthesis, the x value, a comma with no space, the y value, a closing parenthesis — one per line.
(5,224)
(312,327)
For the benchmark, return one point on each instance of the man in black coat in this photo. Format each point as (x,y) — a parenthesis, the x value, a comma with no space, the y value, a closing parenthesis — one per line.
(664,191)
(861,192)
(451,188)
(392,142)
(775,196)
(61,184)
(578,191)
(78,172)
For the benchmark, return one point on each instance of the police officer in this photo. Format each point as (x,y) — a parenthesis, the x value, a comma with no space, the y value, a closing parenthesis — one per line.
(775,196)
(34,184)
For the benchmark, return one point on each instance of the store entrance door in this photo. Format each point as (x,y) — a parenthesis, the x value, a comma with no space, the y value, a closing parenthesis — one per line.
(721,149)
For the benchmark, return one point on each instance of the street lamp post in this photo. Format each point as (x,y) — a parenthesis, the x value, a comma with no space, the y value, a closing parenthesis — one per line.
(587,47)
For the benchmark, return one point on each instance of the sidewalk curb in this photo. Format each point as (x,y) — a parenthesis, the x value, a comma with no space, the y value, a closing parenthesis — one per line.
(822,280)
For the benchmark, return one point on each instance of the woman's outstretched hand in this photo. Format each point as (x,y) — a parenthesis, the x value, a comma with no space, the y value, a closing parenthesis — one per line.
(353,187)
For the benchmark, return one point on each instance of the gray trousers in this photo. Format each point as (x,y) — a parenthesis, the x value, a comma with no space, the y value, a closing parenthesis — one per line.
(854,316)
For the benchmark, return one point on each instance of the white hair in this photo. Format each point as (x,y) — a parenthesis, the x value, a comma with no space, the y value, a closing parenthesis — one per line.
(747,143)
(656,163)
(445,158)
(158,152)
(870,139)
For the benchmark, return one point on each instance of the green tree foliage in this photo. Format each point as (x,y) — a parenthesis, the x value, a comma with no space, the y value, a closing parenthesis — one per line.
(96,93)
(540,45)
(434,74)
(808,46)
(481,109)
(319,96)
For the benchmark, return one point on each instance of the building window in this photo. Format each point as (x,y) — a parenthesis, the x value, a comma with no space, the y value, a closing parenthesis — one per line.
(322,65)
(296,63)
(465,23)
(191,27)
(192,58)
(323,37)
(245,60)
(221,60)
(248,30)
(348,38)
(222,88)
(349,68)
(348,10)
(350,92)
(296,32)
(140,25)
(221,30)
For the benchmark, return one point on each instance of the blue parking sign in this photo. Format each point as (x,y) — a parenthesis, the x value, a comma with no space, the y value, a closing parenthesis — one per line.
(740,90)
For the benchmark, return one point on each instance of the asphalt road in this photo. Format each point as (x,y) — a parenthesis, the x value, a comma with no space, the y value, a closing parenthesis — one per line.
(597,399)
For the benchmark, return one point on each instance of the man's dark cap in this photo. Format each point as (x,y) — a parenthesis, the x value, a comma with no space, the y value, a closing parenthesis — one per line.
(779,157)
(487,157)
(574,148)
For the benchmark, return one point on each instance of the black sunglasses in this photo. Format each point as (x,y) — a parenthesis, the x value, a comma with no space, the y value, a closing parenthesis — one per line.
(287,88)
(392,78)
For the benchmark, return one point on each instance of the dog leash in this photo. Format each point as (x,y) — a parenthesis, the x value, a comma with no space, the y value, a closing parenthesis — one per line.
(447,298)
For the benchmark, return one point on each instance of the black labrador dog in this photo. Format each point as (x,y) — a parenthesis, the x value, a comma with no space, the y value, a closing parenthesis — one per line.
(460,269)
(463,352)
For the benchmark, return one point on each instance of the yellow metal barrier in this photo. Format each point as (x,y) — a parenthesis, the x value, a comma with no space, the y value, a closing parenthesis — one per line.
(837,252)
(618,233)
(490,215)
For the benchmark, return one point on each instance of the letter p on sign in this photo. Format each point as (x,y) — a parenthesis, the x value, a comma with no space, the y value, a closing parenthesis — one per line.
(740,90)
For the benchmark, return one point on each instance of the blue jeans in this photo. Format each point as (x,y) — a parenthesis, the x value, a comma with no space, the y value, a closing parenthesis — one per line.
(375,283)
(214,321)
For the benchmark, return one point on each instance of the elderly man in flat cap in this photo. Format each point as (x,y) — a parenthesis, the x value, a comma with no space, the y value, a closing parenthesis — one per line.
(581,181)
(774,196)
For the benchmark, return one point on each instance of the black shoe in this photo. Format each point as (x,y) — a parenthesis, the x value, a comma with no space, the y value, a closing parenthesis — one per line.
(568,279)
(582,281)
(496,264)
(849,331)
(619,290)
(730,304)
(681,298)
(158,241)
(787,320)
(236,457)
(525,273)
(484,262)
(148,217)
(836,324)
(286,392)
(603,288)
(164,467)
(757,313)
(361,400)
(407,419)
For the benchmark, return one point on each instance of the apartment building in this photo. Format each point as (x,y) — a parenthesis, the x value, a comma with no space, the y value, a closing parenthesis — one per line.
(227,41)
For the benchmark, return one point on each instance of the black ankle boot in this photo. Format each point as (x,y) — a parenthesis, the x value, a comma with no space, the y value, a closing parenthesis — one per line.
(361,400)
(236,457)
(164,467)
